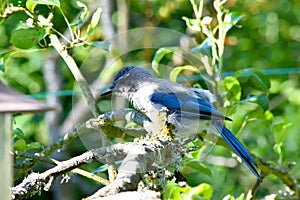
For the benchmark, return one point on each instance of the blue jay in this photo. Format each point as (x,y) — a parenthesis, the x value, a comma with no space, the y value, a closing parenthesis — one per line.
(186,106)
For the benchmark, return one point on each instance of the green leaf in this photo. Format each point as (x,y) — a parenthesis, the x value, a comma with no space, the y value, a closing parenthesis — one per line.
(261,100)
(198,166)
(30,5)
(280,149)
(281,130)
(18,133)
(230,109)
(193,24)
(174,191)
(258,113)
(48,2)
(203,191)
(204,48)
(4,57)
(25,38)
(20,145)
(233,89)
(230,197)
(43,32)
(254,78)
(34,145)
(241,197)
(175,72)
(230,20)
(105,45)
(269,116)
(94,21)
(245,111)
(159,54)
(83,15)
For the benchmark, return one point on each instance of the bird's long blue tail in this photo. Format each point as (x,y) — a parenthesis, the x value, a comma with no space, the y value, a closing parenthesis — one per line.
(237,147)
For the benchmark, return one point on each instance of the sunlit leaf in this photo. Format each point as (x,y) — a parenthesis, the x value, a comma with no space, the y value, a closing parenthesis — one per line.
(230,20)
(34,145)
(159,54)
(232,88)
(281,130)
(48,2)
(204,48)
(203,191)
(230,197)
(94,21)
(280,149)
(175,72)
(269,116)
(176,191)
(83,15)
(4,57)
(30,5)
(20,145)
(25,38)
(192,23)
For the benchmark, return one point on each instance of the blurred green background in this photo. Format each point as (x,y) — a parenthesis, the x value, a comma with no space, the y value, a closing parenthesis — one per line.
(267,38)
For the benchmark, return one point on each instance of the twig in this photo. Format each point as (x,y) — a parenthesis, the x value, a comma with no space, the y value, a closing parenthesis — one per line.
(76,73)
(145,195)
(282,173)
(91,176)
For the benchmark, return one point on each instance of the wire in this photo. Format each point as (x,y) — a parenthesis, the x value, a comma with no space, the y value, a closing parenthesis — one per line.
(267,72)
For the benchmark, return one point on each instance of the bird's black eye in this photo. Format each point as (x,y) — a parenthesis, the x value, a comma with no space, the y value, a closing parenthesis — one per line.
(122,72)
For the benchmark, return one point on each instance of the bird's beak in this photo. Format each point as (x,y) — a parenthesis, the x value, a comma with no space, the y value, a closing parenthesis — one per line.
(107,91)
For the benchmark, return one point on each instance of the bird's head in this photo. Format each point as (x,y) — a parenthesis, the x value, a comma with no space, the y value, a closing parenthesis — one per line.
(123,73)
(126,80)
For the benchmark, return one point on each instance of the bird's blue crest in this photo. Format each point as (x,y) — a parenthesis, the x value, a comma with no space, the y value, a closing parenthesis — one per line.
(122,72)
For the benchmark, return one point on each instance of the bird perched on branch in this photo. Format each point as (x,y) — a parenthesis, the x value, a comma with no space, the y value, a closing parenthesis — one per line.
(187,107)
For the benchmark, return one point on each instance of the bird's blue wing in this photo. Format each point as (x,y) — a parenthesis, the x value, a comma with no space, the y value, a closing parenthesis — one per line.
(193,107)
(169,100)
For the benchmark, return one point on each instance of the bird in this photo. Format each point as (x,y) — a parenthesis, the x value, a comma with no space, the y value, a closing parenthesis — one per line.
(188,108)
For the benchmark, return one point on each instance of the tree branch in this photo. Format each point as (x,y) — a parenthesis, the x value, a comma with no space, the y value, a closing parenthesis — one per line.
(105,123)
(76,73)
(139,159)
(35,181)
